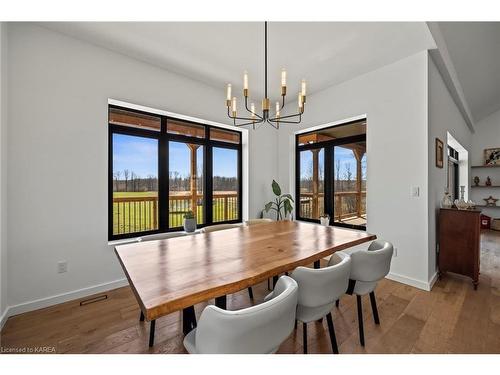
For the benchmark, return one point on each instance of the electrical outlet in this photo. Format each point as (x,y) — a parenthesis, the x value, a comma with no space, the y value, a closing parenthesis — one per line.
(62,266)
(395,252)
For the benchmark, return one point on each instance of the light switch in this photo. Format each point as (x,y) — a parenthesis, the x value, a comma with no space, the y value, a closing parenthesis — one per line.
(415,191)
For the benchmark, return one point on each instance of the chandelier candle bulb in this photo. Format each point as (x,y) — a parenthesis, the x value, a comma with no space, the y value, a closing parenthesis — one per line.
(234,106)
(245,83)
(300,101)
(252,109)
(277,109)
(228,95)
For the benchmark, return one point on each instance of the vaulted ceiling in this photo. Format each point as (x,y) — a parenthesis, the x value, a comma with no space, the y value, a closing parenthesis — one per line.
(216,53)
(474,49)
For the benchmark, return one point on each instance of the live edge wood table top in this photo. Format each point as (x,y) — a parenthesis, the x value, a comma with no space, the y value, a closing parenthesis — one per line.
(173,274)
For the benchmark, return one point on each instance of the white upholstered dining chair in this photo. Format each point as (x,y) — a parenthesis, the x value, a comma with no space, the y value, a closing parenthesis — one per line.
(318,291)
(258,329)
(217,227)
(367,269)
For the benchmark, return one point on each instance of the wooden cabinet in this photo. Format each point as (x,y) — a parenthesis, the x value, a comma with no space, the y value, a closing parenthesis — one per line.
(459,242)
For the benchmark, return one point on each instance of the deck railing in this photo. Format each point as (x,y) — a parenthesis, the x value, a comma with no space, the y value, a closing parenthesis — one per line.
(346,205)
(139,214)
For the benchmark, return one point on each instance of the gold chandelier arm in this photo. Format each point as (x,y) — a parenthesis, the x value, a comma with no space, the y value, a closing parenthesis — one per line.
(253,113)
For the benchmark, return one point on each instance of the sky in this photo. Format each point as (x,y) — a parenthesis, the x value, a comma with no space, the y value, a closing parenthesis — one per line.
(140,155)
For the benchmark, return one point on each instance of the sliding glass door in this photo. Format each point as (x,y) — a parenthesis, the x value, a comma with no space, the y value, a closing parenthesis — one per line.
(312,183)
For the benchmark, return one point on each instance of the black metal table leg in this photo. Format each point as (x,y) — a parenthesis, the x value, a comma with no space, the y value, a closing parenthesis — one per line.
(221,302)
(250,292)
(304,337)
(141,318)
(188,320)
(275,280)
(152,333)
(317,264)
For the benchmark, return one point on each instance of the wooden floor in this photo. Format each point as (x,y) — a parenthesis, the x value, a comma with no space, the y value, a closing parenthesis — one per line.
(453,318)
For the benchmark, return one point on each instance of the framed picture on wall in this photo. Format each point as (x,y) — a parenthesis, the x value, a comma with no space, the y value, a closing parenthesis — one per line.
(492,156)
(439,153)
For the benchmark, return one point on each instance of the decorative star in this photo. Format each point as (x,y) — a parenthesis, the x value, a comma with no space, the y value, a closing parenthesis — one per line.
(490,201)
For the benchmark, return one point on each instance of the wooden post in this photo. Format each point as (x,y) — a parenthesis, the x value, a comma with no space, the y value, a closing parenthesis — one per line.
(315,187)
(226,208)
(155,217)
(358,154)
(194,187)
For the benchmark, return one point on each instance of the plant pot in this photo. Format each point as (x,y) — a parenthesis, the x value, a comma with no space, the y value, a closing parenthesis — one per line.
(190,225)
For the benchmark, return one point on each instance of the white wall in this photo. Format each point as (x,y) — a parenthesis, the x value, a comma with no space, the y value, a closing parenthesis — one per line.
(394,98)
(3,172)
(57,177)
(444,117)
(487,135)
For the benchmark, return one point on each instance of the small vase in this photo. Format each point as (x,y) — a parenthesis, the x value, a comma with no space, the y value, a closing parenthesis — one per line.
(446,202)
(324,220)
(461,204)
(190,225)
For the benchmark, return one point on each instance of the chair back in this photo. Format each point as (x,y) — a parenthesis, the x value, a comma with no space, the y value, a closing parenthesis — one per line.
(258,329)
(319,287)
(258,221)
(215,228)
(161,236)
(373,264)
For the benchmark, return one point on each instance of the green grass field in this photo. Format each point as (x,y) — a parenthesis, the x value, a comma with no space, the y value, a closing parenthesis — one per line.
(138,216)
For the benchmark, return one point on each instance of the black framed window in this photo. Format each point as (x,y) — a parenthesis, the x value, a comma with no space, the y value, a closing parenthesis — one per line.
(161,167)
(331,175)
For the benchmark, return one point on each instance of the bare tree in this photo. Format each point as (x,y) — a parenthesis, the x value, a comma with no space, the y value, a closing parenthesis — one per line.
(337,175)
(117,180)
(126,173)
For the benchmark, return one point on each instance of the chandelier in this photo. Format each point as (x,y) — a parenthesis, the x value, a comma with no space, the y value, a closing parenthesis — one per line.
(253,117)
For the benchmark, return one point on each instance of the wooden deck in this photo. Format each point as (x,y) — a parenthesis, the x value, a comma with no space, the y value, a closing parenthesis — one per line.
(452,318)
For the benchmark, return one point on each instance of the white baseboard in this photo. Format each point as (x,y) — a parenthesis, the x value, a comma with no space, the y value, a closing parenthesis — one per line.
(433,280)
(3,317)
(60,298)
(424,285)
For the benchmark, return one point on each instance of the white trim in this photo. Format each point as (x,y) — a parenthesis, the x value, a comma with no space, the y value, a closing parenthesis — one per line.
(63,297)
(433,280)
(3,318)
(424,285)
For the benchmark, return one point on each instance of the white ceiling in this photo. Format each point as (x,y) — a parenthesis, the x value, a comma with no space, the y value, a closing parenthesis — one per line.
(474,49)
(324,53)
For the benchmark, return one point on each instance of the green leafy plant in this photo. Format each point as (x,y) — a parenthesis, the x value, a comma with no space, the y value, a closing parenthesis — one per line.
(282,204)
(189,215)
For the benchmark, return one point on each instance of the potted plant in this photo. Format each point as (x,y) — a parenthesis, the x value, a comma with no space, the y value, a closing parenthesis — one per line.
(282,203)
(189,222)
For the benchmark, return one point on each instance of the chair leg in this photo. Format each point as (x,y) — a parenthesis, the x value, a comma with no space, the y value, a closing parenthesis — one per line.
(304,337)
(295,324)
(337,303)
(250,293)
(331,329)
(360,321)
(268,285)
(141,318)
(374,308)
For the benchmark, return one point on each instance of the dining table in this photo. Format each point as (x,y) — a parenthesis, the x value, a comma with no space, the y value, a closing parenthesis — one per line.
(175,274)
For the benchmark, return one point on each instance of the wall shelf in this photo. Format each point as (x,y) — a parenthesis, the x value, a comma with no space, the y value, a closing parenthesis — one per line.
(484,206)
(485,166)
